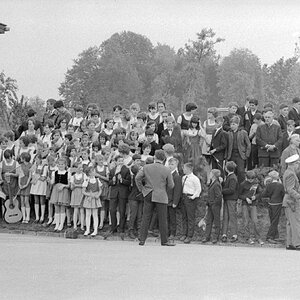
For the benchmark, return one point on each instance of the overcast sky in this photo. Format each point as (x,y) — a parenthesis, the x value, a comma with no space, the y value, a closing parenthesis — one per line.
(46,35)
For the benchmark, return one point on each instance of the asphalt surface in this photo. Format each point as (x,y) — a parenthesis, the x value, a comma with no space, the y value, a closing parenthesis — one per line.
(34,267)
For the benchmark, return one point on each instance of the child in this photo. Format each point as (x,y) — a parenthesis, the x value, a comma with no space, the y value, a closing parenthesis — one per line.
(56,141)
(102,173)
(124,151)
(275,192)
(230,196)
(191,189)
(85,159)
(249,194)
(119,180)
(290,129)
(78,117)
(153,113)
(149,133)
(103,139)
(135,200)
(96,150)
(60,196)
(146,149)
(133,141)
(214,203)
(95,117)
(76,182)
(108,128)
(39,187)
(51,162)
(47,130)
(174,196)
(24,185)
(92,191)
(3,145)
(23,147)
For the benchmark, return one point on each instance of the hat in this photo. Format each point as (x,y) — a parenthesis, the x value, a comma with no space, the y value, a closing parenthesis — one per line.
(282,106)
(274,175)
(292,159)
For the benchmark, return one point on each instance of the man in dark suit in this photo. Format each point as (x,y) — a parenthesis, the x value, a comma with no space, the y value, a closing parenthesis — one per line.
(172,135)
(294,113)
(119,181)
(174,196)
(283,117)
(154,180)
(269,141)
(218,146)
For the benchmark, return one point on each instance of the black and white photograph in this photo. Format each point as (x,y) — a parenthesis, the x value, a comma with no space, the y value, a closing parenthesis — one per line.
(149,149)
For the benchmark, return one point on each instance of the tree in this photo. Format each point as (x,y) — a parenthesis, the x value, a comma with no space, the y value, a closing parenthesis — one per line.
(240,76)
(38,105)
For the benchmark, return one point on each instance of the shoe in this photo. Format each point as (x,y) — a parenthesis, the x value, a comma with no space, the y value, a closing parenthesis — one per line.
(271,241)
(224,239)
(142,243)
(122,236)
(94,233)
(69,225)
(100,227)
(168,244)
(26,221)
(23,221)
(35,221)
(131,235)
(41,221)
(260,241)
(171,237)
(290,247)
(154,234)
(215,240)
(187,240)
(205,240)
(182,238)
(86,233)
(250,241)
(233,239)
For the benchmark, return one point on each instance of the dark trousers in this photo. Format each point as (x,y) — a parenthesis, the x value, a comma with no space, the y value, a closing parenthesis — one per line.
(253,159)
(213,217)
(250,214)
(229,217)
(172,220)
(188,215)
(114,203)
(218,165)
(162,214)
(136,212)
(274,214)
(240,165)
(268,161)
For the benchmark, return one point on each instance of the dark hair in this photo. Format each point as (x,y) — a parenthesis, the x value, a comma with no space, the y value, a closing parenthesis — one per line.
(107,120)
(50,123)
(196,120)
(257,116)
(95,112)
(69,149)
(146,145)
(231,166)
(96,144)
(253,101)
(118,157)
(149,132)
(296,100)
(25,139)
(8,154)
(51,101)
(142,116)
(58,104)
(191,106)
(69,137)
(31,113)
(117,107)
(25,156)
(152,105)
(78,108)
(102,135)
(160,155)
(9,135)
(32,138)
(54,132)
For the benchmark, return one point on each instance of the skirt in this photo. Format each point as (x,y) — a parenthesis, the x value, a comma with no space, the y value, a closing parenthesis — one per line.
(26,191)
(60,197)
(76,197)
(40,188)
(91,202)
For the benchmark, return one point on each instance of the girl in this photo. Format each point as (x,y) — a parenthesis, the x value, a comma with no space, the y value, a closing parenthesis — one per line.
(78,117)
(150,125)
(60,195)
(63,127)
(95,117)
(125,120)
(47,129)
(39,187)
(133,142)
(93,134)
(24,146)
(192,141)
(31,130)
(153,114)
(102,173)
(24,185)
(85,159)
(108,128)
(117,116)
(103,140)
(91,190)
(76,182)
(51,161)
(56,141)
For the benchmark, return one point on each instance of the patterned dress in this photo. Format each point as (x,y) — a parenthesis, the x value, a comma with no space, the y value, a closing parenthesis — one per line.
(38,186)
(26,170)
(92,202)
(76,195)
(60,197)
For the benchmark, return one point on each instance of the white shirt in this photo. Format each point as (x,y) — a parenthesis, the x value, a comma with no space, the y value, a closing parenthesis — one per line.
(191,185)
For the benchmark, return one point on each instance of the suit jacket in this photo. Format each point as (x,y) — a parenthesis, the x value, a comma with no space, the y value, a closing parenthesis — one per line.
(289,151)
(271,135)
(282,122)
(215,193)
(155,178)
(226,123)
(219,142)
(294,115)
(160,128)
(241,111)
(292,189)
(243,142)
(175,139)
(174,194)
(120,189)
(230,188)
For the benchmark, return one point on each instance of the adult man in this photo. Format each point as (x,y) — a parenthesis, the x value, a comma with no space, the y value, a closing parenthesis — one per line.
(51,113)
(63,113)
(269,141)
(154,180)
(291,203)
(294,113)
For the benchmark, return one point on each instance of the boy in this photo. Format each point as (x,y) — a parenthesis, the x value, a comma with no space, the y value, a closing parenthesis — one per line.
(290,129)
(230,196)
(275,192)
(174,196)
(149,133)
(214,203)
(191,189)
(249,194)
(232,109)
(283,116)
(172,135)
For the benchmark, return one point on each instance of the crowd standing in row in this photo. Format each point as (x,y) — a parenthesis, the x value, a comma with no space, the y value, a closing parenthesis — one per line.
(82,167)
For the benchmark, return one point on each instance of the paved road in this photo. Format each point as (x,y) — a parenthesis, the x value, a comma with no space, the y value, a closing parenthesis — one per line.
(34,267)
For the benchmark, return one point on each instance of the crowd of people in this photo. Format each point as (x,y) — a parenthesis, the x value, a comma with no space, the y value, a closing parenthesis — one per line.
(136,169)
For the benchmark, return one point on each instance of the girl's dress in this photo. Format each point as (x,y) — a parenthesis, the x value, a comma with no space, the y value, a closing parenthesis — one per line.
(51,171)
(38,186)
(60,197)
(26,170)
(103,172)
(108,133)
(208,131)
(76,195)
(192,145)
(92,185)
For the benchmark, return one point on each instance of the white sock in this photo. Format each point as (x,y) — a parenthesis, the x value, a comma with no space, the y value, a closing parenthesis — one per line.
(37,210)
(27,213)
(23,210)
(62,221)
(56,220)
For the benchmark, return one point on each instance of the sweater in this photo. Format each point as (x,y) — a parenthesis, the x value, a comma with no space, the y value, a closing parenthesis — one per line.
(230,188)
(247,190)
(275,192)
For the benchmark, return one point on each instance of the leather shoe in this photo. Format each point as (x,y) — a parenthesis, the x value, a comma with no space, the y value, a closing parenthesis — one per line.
(142,243)
(187,240)
(233,239)
(205,240)
(168,244)
(290,247)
